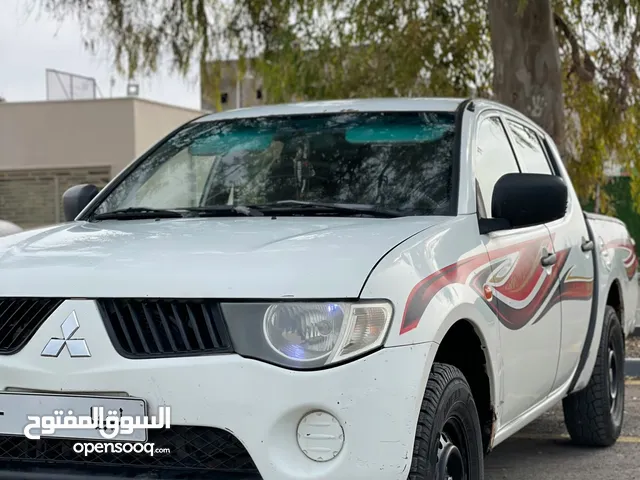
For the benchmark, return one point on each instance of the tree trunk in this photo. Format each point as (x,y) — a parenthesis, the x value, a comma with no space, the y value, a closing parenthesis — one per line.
(527,68)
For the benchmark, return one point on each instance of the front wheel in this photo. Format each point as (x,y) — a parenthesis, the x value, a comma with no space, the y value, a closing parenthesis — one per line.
(448,444)
(594,415)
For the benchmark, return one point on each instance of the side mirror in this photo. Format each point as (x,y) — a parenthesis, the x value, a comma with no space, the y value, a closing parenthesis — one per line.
(76,198)
(525,199)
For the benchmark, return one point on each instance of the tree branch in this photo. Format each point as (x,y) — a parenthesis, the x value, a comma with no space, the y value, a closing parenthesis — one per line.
(628,70)
(582,65)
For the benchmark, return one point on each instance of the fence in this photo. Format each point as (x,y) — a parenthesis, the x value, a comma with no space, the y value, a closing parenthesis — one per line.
(67,86)
(619,190)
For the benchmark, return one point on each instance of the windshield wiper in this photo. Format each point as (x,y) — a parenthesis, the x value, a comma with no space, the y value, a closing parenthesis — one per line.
(134,213)
(285,207)
(224,211)
(299,206)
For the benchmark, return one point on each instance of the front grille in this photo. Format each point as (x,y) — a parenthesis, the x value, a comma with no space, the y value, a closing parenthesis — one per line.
(20,318)
(199,452)
(165,328)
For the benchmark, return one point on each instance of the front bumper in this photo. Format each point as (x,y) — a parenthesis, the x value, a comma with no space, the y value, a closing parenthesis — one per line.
(29,473)
(376,399)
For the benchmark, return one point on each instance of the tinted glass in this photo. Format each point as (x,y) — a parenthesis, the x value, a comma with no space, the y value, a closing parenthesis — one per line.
(528,149)
(401,161)
(494,158)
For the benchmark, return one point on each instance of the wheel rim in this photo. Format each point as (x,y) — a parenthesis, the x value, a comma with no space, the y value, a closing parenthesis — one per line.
(616,378)
(453,458)
(613,384)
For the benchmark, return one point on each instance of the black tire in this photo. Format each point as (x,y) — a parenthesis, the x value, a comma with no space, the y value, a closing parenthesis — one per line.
(594,415)
(448,423)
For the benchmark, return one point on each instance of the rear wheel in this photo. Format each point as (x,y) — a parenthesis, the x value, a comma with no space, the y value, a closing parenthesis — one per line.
(448,444)
(594,415)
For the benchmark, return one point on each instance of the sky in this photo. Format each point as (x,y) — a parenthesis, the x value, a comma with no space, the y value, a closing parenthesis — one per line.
(31,42)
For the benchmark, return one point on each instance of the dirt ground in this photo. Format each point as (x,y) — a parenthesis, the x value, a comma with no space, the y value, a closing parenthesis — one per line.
(633,347)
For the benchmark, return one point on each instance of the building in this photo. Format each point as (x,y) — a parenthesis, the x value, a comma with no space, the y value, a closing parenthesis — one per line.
(46,147)
(236,90)
(239,89)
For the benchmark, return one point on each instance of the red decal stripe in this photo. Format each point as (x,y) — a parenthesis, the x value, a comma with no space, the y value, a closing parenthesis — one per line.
(630,260)
(520,284)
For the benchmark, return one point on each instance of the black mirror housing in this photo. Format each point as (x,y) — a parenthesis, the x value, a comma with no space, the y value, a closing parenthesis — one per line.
(525,199)
(76,198)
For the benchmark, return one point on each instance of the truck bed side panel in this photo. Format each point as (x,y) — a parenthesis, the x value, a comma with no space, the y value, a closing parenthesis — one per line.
(616,263)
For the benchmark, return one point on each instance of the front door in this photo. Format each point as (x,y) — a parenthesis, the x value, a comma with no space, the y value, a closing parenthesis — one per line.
(521,283)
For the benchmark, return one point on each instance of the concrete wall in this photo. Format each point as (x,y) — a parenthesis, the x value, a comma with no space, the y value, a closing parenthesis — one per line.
(66,134)
(46,147)
(32,197)
(153,121)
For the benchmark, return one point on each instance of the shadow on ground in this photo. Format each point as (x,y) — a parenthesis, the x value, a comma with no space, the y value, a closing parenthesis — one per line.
(541,452)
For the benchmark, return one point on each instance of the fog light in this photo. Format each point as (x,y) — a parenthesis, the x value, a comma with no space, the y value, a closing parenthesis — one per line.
(320,436)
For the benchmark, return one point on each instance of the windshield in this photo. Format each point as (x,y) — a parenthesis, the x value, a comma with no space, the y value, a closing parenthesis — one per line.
(401,161)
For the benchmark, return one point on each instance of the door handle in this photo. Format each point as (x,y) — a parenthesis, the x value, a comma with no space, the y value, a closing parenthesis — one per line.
(548,260)
(587,245)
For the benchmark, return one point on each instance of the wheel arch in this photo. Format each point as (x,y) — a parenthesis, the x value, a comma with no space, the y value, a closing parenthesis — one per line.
(470,335)
(613,296)
(615,299)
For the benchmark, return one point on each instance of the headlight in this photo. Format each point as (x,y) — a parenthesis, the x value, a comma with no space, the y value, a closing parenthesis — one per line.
(307,334)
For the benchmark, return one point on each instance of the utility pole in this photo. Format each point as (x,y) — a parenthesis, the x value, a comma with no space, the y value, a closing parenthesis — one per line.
(238,91)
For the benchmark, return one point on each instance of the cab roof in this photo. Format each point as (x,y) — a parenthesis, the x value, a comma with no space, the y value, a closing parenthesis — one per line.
(434,104)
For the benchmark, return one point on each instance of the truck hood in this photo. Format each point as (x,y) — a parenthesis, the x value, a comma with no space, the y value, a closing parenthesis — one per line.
(304,257)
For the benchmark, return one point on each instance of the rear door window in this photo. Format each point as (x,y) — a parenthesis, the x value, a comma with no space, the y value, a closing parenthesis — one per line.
(528,149)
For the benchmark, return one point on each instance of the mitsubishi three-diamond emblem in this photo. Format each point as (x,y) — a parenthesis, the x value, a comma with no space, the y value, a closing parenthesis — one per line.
(76,347)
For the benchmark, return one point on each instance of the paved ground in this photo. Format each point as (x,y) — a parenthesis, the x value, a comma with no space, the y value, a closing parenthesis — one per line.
(542,450)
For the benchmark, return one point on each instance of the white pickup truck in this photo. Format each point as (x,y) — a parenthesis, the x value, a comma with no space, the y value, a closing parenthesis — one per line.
(349,290)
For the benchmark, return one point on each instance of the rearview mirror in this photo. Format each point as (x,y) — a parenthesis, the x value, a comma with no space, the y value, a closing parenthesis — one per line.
(76,198)
(525,199)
